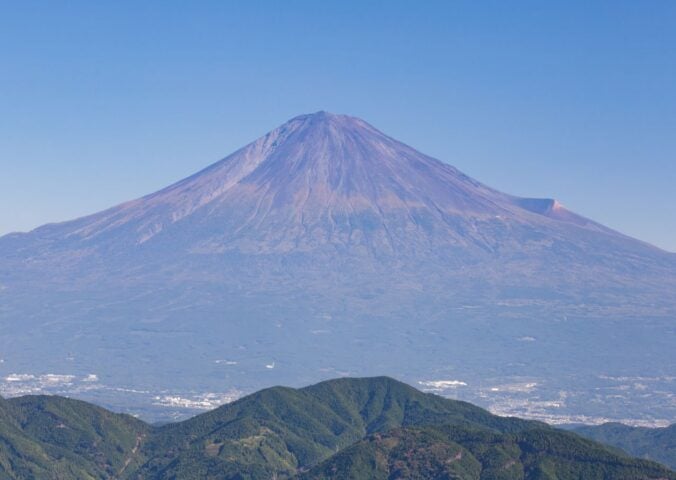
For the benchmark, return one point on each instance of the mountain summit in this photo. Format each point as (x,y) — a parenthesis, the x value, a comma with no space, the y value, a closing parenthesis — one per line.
(324,180)
(327,243)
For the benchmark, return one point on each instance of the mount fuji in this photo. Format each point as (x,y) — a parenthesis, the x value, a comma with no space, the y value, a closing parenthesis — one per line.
(327,248)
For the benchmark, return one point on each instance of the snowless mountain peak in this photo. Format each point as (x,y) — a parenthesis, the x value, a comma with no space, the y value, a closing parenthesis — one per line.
(327,239)
(319,180)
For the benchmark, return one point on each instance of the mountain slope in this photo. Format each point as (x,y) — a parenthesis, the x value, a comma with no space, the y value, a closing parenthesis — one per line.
(346,428)
(461,453)
(657,444)
(291,429)
(53,437)
(327,243)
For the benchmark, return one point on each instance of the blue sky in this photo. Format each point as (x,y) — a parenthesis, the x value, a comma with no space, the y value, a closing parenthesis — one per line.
(102,102)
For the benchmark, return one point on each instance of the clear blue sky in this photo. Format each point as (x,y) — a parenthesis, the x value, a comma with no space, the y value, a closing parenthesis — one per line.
(101,102)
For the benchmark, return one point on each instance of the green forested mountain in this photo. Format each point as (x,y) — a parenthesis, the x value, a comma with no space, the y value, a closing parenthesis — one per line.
(54,437)
(658,444)
(282,430)
(455,452)
(342,429)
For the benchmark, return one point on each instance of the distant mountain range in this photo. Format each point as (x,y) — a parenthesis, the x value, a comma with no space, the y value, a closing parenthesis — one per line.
(327,248)
(369,428)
